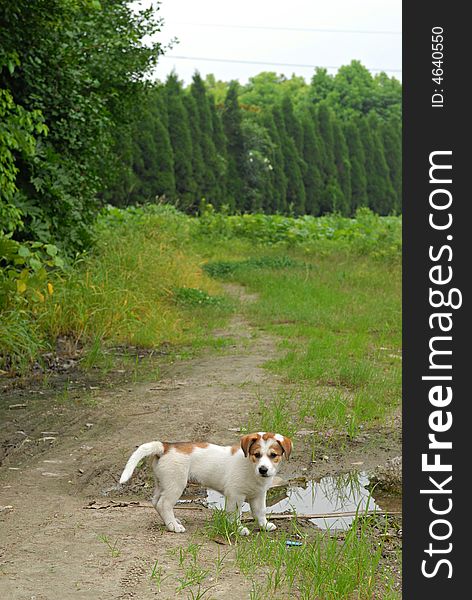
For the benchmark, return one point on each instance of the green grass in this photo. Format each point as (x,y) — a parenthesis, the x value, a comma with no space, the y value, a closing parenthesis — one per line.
(112,547)
(329,565)
(322,567)
(339,329)
(222,525)
(141,285)
(224,269)
(20,340)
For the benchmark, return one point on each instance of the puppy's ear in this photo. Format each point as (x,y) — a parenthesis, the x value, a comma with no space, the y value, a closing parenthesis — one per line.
(247,441)
(286,444)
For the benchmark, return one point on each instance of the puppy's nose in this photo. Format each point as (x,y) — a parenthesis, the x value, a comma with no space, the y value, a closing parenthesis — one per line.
(263,470)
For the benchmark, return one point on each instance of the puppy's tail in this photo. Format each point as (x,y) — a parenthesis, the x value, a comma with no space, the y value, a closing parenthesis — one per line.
(149,449)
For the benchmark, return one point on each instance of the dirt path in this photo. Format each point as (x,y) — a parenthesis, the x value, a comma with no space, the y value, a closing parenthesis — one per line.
(52,547)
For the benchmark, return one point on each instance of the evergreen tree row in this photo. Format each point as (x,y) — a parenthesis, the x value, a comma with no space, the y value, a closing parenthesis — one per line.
(313,156)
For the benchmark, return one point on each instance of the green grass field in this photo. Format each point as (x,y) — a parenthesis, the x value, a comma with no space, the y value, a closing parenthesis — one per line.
(338,321)
(334,306)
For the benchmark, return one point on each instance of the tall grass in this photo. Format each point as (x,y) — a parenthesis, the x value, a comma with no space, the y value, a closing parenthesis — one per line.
(20,340)
(126,291)
(141,285)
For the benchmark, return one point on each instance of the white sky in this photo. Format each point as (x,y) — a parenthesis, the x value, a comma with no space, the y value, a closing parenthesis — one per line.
(184,19)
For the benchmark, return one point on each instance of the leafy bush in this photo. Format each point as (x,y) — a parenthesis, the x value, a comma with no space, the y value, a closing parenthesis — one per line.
(367,233)
(26,272)
(71,76)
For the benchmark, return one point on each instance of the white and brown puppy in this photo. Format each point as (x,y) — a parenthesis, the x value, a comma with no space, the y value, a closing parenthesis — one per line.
(241,472)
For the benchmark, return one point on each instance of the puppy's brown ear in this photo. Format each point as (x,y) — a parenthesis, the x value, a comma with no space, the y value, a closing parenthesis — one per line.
(286,444)
(247,441)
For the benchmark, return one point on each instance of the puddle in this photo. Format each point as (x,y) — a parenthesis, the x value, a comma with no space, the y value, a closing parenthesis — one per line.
(343,493)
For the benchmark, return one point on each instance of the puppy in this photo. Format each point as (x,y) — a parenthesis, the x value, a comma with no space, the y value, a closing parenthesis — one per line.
(241,472)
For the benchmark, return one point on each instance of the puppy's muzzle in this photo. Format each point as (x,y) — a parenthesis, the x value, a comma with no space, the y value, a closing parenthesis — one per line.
(263,471)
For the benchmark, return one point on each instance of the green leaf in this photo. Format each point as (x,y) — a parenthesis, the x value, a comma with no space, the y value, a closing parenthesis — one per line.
(58,262)
(35,264)
(24,251)
(51,249)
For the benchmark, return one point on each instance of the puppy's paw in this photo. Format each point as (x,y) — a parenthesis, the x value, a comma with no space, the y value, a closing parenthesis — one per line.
(175,526)
(269,526)
(243,531)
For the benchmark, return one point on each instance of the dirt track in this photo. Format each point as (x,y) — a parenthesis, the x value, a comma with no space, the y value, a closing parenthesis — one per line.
(50,546)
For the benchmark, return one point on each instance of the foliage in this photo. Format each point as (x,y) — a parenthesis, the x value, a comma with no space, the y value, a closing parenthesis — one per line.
(232,121)
(367,233)
(181,140)
(321,567)
(273,145)
(26,271)
(17,138)
(72,70)
(124,291)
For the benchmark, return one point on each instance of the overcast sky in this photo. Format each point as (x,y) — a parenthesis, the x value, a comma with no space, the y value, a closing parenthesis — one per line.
(263,31)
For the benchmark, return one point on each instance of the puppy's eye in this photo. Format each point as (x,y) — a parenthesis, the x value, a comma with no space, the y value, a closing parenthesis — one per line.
(273,454)
(257,454)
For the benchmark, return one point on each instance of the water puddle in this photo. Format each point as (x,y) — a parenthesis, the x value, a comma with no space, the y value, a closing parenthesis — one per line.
(340,494)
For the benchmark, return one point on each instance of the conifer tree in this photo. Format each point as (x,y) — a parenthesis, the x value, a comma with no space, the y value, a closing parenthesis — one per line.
(221,166)
(343,167)
(232,122)
(198,166)
(275,201)
(292,125)
(181,141)
(209,185)
(379,189)
(259,165)
(312,150)
(293,167)
(332,197)
(153,156)
(392,142)
(357,160)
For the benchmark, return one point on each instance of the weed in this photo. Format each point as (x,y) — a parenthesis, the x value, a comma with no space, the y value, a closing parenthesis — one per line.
(192,297)
(273,414)
(112,547)
(157,575)
(199,593)
(222,525)
(323,567)
(219,563)
(96,357)
(20,340)
(194,574)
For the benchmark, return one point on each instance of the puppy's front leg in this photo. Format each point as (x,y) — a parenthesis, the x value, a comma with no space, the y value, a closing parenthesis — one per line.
(233,507)
(258,509)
